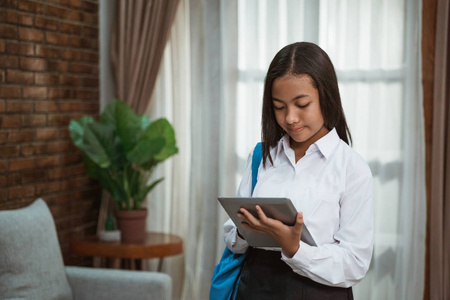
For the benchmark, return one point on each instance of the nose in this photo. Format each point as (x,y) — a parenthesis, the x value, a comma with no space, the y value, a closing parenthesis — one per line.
(292,116)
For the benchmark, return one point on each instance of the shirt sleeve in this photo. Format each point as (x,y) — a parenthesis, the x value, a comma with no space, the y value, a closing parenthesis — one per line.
(345,262)
(232,239)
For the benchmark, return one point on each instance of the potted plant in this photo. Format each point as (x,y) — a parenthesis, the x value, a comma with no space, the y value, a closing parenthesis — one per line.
(121,151)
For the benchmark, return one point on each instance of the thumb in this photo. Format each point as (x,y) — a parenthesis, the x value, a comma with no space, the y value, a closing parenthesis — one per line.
(299,220)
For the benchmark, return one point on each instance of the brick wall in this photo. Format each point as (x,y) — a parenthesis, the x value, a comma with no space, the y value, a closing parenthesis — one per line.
(49,75)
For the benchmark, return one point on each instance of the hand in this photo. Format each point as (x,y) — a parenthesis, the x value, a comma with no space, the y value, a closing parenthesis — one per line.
(288,237)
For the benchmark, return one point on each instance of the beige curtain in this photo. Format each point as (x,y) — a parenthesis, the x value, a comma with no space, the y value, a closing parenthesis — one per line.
(140,34)
(439,221)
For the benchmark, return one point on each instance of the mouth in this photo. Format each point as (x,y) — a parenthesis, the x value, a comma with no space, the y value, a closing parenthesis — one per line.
(296,129)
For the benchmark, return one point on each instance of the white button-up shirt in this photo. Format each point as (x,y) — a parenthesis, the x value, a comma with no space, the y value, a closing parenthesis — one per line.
(333,187)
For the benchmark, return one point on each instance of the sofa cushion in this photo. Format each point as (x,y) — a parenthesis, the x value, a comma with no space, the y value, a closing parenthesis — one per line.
(31,265)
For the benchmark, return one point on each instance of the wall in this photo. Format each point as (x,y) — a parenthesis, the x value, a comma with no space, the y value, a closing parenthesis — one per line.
(49,75)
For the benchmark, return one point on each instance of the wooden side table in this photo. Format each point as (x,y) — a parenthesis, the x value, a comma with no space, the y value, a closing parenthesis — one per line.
(155,245)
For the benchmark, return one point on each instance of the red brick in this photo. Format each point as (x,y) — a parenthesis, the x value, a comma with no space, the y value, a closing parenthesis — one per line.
(56,38)
(33,149)
(84,94)
(34,92)
(21,164)
(47,134)
(90,57)
(59,120)
(34,120)
(33,177)
(19,106)
(10,180)
(46,188)
(3,166)
(79,170)
(45,79)
(54,93)
(46,106)
(70,80)
(2,46)
(13,76)
(71,159)
(71,54)
(48,161)
(58,66)
(46,23)
(90,32)
(59,173)
(91,7)
(9,4)
(65,134)
(30,34)
(32,64)
(20,136)
(45,51)
(21,192)
(10,92)
(75,15)
(8,31)
(8,61)
(8,122)
(84,42)
(58,147)
(2,106)
(90,82)
(73,3)
(82,68)
(9,151)
(3,137)
(19,18)
(20,48)
(30,6)
(59,12)
(90,18)
(70,28)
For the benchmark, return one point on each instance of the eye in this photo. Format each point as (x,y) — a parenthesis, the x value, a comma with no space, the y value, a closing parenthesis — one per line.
(303,106)
(278,108)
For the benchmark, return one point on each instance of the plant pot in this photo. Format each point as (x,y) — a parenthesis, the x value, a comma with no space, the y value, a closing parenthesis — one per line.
(132,225)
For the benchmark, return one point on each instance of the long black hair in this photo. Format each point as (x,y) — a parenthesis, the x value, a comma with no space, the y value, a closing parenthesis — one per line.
(298,59)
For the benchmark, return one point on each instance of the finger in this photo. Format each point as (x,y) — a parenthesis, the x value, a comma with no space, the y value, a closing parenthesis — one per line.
(262,216)
(299,220)
(250,218)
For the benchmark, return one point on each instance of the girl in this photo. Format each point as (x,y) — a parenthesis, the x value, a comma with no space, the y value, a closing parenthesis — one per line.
(306,158)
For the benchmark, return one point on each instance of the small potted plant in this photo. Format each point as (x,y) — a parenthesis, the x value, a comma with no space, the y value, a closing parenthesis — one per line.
(121,151)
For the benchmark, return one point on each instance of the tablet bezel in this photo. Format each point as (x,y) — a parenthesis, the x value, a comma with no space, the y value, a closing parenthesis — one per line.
(278,208)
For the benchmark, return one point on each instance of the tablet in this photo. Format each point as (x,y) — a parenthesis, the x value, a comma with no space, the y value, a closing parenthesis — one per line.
(280,209)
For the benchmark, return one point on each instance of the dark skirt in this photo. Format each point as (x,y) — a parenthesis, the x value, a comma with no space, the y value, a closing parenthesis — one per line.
(266,276)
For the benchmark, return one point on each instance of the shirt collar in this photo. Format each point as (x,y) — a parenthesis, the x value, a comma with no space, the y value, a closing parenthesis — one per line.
(328,143)
(325,144)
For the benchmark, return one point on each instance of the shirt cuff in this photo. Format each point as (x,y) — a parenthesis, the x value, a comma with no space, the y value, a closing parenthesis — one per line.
(302,258)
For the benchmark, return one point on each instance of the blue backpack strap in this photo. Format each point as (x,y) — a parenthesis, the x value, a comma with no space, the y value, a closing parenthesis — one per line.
(256,161)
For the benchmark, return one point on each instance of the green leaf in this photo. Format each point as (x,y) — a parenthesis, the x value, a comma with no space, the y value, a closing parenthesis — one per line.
(146,150)
(144,191)
(162,128)
(77,128)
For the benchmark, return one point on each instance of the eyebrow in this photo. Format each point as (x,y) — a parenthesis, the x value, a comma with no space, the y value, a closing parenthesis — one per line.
(293,99)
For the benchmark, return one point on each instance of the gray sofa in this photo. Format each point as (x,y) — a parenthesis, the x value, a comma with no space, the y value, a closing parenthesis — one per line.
(31,265)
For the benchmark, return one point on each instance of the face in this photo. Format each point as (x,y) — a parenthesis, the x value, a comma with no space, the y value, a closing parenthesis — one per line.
(297,109)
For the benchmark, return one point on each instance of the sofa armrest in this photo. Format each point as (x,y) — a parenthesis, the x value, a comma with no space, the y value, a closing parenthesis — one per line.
(94,284)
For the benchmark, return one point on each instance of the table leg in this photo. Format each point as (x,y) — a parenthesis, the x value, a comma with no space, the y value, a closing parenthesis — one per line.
(161,260)
(116,263)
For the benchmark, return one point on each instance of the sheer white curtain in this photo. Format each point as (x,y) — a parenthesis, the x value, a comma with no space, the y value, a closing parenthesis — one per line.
(375,47)
(189,93)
